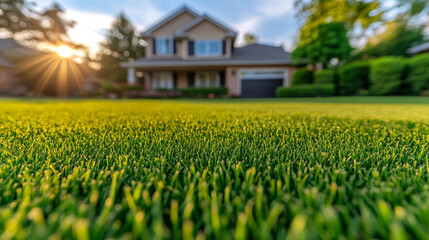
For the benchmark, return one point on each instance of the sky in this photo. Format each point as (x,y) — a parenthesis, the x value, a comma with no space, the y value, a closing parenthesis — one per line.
(272,21)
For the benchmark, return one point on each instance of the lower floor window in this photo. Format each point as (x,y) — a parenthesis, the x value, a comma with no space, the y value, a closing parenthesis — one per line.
(207,79)
(162,81)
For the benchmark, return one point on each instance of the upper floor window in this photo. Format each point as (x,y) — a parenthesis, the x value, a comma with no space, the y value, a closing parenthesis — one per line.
(208,47)
(164,46)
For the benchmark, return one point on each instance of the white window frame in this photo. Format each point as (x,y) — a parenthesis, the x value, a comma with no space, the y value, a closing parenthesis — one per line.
(161,41)
(207,52)
(198,84)
(162,80)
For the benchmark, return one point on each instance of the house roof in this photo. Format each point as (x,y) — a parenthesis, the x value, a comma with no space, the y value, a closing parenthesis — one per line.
(181,32)
(176,13)
(5,63)
(254,54)
(419,48)
(8,43)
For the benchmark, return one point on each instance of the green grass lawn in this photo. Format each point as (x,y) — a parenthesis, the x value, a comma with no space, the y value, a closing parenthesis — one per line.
(354,168)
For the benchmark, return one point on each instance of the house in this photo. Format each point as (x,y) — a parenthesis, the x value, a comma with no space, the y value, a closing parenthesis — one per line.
(5,75)
(187,49)
(419,49)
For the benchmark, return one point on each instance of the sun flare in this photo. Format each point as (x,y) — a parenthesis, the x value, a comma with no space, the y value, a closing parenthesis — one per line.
(64,51)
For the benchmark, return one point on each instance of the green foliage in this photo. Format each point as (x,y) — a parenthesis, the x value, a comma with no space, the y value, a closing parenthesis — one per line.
(46,26)
(250,39)
(386,75)
(353,77)
(418,75)
(302,76)
(354,13)
(331,43)
(307,90)
(324,76)
(121,45)
(395,41)
(230,169)
(204,92)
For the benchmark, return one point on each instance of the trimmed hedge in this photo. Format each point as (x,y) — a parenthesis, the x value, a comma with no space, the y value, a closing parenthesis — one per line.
(302,76)
(306,90)
(324,76)
(386,75)
(353,77)
(418,75)
(204,92)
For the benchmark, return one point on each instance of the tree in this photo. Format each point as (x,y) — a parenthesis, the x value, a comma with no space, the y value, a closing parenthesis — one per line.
(357,15)
(19,18)
(395,40)
(331,44)
(121,45)
(250,39)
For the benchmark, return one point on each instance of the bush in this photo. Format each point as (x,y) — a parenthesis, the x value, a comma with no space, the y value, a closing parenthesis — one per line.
(306,90)
(204,92)
(418,75)
(324,76)
(386,75)
(302,76)
(353,77)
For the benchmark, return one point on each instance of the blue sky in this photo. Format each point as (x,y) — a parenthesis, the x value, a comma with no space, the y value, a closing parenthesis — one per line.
(272,21)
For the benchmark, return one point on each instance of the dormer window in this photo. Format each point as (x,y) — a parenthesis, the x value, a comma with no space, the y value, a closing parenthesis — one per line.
(164,46)
(208,47)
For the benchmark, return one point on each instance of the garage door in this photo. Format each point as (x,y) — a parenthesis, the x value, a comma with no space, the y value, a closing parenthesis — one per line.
(260,83)
(260,88)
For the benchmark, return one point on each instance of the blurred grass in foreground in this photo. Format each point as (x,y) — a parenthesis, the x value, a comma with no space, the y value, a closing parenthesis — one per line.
(203,169)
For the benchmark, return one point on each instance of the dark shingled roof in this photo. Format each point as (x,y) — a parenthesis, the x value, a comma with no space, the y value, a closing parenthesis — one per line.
(254,54)
(8,43)
(419,48)
(260,52)
(5,63)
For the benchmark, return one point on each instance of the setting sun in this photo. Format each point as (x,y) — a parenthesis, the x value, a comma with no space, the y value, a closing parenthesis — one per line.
(64,51)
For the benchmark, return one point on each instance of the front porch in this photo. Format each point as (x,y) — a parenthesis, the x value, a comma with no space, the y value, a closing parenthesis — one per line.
(169,79)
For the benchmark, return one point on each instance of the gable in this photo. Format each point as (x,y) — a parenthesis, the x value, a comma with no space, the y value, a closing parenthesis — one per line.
(206,30)
(168,28)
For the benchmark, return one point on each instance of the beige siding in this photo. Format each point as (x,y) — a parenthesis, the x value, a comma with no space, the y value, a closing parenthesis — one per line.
(206,30)
(168,29)
(231,80)
(147,80)
(149,48)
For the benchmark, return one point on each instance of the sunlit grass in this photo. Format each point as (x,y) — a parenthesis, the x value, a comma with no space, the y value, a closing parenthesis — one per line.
(223,169)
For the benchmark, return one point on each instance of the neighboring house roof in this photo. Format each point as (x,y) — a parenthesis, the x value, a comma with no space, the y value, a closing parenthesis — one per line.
(183,9)
(181,32)
(254,54)
(419,48)
(8,43)
(5,63)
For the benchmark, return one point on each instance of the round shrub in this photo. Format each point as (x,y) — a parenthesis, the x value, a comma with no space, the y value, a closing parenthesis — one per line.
(418,75)
(353,77)
(386,75)
(302,76)
(324,76)
(306,90)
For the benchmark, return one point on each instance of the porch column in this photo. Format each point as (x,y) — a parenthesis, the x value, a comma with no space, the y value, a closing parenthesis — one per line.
(131,76)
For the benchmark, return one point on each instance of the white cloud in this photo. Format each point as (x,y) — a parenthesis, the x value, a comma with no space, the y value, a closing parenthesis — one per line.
(143,13)
(89,28)
(248,25)
(274,8)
